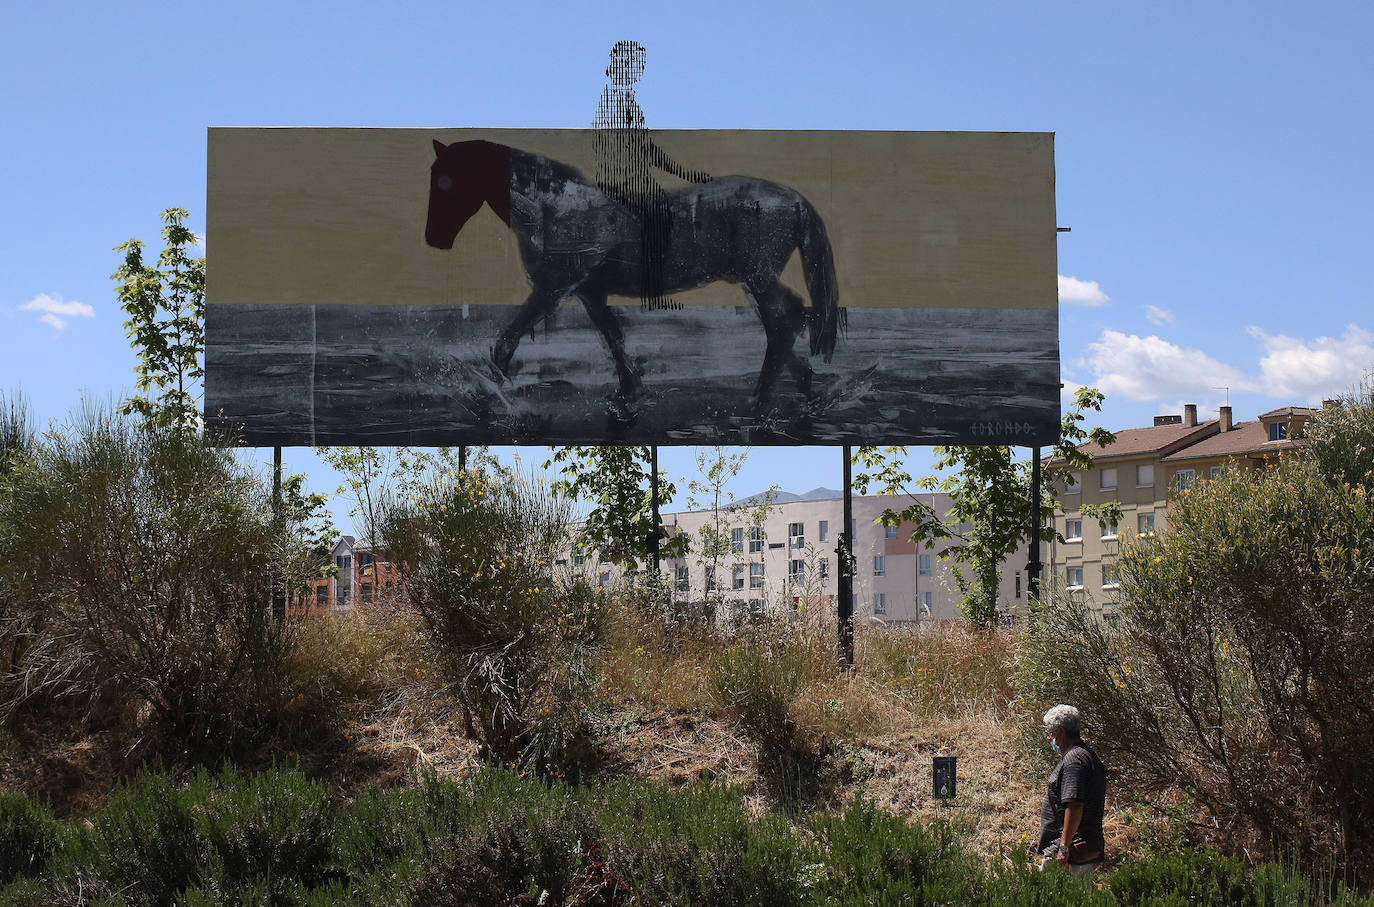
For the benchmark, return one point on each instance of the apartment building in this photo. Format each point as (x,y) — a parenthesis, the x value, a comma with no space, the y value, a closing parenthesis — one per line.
(1141,471)
(360,576)
(787,560)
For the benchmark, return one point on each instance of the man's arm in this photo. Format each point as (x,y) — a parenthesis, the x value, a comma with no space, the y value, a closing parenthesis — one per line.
(1073,815)
(660,159)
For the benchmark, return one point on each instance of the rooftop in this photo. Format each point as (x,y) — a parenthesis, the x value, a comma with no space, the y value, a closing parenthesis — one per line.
(1153,439)
(1243,438)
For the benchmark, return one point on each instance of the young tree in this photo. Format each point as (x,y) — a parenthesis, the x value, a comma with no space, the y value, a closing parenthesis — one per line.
(166,309)
(616,482)
(374,475)
(990,500)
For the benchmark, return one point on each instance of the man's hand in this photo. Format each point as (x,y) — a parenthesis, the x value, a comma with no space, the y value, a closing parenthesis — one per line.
(1062,857)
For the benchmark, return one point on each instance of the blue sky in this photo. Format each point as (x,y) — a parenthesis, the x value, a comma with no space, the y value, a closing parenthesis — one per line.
(1212,158)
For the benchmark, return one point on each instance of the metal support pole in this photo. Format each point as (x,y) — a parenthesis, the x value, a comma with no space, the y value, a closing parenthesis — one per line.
(845,555)
(278,583)
(1033,567)
(462,458)
(653,502)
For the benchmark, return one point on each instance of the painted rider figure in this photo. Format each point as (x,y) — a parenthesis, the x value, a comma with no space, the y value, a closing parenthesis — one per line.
(626,156)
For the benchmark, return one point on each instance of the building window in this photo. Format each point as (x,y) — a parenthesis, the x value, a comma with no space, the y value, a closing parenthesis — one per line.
(1018,585)
(684,579)
(737,577)
(343,562)
(736,541)
(796,570)
(823,533)
(923,565)
(1185,478)
(879,602)
(756,576)
(366,591)
(756,607)
(1144,475)
(853,529)
(796,535)
(1073,530)
(603,579)
(823,565)
(1145,524)
(1108,482)
(1075,577)
(756,538)
(579,559)
(364,560)
(710,579)
(1073,484)
(889,532)
(1109,580)
(879,565)
(1109,529)
(322,595)
(925,604)
(1217,471)
(1278,431)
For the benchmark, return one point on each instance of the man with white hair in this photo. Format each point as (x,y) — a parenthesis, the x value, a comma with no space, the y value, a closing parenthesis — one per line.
(1071,817)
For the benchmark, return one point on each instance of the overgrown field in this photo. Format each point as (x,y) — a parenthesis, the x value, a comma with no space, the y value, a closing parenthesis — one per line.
(503,731)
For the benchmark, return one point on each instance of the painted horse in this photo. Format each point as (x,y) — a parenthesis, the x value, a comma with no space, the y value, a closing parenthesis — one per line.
(577,241)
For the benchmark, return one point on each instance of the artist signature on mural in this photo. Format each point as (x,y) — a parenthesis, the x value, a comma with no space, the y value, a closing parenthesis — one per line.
(1002,429)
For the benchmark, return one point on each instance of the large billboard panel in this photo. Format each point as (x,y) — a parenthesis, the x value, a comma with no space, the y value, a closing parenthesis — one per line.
(474,286)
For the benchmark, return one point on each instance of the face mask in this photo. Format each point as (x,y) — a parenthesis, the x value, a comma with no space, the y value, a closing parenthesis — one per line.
(1054,745)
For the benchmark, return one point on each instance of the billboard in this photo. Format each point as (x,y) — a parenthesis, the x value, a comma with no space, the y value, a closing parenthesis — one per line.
(507,286)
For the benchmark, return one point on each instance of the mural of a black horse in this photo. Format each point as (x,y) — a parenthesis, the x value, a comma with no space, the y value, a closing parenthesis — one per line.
(576,241)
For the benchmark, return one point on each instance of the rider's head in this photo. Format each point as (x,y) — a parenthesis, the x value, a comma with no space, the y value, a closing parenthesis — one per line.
(627,62)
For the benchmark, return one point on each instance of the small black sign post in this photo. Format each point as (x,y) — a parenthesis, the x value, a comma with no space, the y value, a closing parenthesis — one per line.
(943,776)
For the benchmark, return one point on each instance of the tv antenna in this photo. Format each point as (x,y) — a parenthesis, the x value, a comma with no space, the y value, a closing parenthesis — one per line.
(1228,393)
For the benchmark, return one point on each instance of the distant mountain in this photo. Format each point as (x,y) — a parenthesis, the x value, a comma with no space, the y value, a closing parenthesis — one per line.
(787,497)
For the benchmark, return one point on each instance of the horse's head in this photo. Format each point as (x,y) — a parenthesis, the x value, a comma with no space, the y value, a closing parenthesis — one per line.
(464,176)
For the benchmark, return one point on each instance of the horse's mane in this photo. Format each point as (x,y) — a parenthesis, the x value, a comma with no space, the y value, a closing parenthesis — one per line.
(531,164)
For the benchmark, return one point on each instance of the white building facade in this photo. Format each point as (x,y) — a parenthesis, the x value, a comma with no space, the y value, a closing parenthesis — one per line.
(784,558)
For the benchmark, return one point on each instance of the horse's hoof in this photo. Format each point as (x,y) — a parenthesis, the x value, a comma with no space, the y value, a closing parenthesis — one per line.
(622,410)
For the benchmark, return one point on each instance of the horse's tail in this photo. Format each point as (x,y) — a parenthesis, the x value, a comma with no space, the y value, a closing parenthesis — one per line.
(818,264)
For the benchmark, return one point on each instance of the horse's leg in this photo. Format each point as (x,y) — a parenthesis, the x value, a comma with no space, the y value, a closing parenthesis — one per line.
(783,315)
(608,323)
(539,304)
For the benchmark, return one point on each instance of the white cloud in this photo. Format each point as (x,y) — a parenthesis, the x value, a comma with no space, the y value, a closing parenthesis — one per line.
(56,310)
(1159,316)
(1308,370)
(1081,292)
(1150,368)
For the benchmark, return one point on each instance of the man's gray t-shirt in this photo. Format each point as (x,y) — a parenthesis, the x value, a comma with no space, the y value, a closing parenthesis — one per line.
(1079,776)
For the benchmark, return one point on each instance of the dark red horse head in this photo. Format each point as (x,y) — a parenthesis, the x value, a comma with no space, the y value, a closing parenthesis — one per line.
(465,175)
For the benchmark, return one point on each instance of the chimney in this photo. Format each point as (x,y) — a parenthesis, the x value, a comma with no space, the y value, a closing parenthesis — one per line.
(1190,414)
(1225,413)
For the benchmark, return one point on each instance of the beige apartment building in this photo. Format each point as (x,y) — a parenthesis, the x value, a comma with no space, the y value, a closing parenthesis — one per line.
(1141,471)
(788,562)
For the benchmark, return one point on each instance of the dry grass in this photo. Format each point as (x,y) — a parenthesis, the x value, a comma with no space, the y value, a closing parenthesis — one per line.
(915,695)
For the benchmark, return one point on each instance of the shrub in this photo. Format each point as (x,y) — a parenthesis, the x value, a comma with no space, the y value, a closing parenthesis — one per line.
(253,839)
(759,679)
(145,560)
(1238,664)
(697,846)
(29,836)
(514,641)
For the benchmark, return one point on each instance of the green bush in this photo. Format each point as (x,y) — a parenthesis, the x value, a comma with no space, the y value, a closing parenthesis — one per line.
(514,640)
(697,846)
(144,561)
(268,836)
(29,836)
